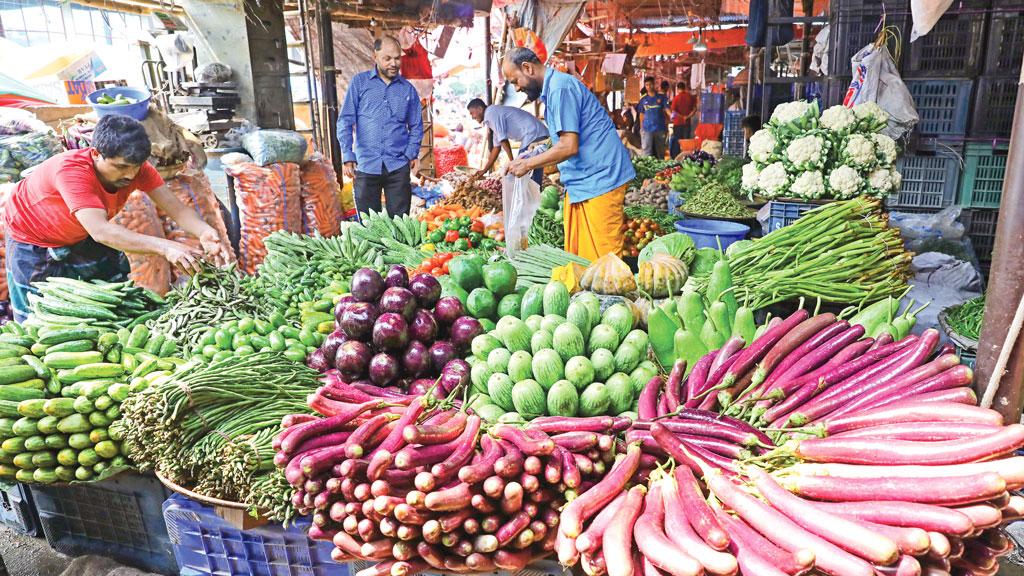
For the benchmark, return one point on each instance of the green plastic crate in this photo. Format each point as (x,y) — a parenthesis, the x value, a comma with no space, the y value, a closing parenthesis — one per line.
(984,167)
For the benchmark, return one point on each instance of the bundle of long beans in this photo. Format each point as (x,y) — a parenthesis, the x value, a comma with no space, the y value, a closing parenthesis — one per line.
(534,265)
(843,252)
(210,298)
(965,319)
(211,426)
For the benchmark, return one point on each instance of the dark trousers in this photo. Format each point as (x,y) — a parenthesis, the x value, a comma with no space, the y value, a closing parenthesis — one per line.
(678,133)
(396,186)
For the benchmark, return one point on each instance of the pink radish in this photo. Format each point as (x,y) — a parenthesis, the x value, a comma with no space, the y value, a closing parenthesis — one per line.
(678,530)
(941,491)
(700,515)
(913,412)
(866,451)
(591,538)
(922,431)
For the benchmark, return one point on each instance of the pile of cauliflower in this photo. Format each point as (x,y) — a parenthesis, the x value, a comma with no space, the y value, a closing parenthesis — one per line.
(839,154)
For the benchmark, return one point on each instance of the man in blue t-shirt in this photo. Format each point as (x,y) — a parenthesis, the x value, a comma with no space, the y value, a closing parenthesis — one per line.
(654,115)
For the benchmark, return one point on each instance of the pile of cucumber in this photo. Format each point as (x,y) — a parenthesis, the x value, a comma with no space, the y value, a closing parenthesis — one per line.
(68,302)
(61,389)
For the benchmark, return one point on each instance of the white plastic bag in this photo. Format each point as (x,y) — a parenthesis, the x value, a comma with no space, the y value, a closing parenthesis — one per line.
(875,79)
(520,198)
(925,14)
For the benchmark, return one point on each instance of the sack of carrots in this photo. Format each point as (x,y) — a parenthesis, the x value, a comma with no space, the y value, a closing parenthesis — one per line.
(269,199)
(193,189)
(5,192)
(140,215)
(321,198)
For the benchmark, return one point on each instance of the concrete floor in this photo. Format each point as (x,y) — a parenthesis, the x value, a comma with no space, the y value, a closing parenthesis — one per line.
(27,556)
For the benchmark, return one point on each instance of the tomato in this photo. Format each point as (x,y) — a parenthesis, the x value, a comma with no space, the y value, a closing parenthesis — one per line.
(451,236)
(444,268)
(477,226)
(634,252)
(447,256)
(436,272)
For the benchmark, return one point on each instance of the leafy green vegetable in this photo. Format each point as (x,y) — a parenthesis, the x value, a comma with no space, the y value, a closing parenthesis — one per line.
(675,244)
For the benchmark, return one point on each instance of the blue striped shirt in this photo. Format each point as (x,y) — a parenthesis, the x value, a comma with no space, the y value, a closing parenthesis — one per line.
(386,120)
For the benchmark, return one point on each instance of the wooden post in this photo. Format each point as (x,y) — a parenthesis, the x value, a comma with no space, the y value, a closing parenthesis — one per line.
(488,55)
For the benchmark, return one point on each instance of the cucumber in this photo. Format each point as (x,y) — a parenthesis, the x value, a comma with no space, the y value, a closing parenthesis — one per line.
(47,424)
(38,349)
(83,474)
(116,431)
(88,457)
(32,408)
(72,346)
(24,461)
(7,349)
(19,373)
(99,435)
(79,441)
(15,445)
(56,441)
(154,344)
(22,341)
(118,392)
(51,337)
(74,423)
(93,389)
(7,428)
(65,473)
(68,360)
(107,449)
(26,427)
(72,391)
(59,407)
(145,367)
(18,393)
(83,405)
(44,459)
(91,372)
(41,370)
(25,476)
(35,443)
(139,336)
(9,409)
(129,362)
(103,403)
(106,341)
(8,472)
(99,419)
(122,336)
(30,384)
(113,413)
(114,355)
(168,348)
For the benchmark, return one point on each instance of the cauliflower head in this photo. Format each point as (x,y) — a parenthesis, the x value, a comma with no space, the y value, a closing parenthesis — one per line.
(773,180)
(838,118)
(748,180)
(793,113)
(881,180)
(762,145)
(859,151)
(809,185)
(885,148)
(806,152)
(871,115)
(845,182)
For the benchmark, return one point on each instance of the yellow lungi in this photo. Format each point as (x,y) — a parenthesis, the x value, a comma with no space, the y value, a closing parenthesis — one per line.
(593,227)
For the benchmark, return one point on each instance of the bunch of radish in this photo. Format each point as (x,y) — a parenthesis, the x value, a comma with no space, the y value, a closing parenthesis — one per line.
(414,483)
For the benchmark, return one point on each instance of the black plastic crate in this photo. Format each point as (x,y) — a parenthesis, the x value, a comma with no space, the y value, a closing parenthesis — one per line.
(942,105)
(1005,42)
(980,224)
(930,179)
(834,91)
(995,98)
(17,510)
(851,30)
(953,48)
(120,517)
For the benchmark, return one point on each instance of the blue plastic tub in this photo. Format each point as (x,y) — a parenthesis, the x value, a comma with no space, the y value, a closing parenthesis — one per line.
(206,545)
(708,233)
(138,110)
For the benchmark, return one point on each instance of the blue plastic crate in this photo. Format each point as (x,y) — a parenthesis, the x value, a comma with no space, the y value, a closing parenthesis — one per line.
(782,214)
(930,179)
(118,517)
(207,545)
(942,105)
(732,133)
(711,108)
(17,510)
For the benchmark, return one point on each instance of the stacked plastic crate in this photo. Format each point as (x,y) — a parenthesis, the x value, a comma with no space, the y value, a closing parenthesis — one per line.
(732,134)
(995,95)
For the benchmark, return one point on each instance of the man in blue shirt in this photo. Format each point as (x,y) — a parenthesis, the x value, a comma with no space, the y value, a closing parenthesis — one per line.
(507,123)
(654,114)
(593,164)
(383,111)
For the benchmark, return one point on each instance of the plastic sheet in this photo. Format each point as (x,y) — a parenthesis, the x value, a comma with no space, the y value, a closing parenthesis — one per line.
(321,197)
(193,189)
(275,146)
(25,151)
(269,199)
(140,215)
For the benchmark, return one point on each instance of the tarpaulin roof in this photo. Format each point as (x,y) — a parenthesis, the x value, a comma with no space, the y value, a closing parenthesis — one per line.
(657,44)
(16,94)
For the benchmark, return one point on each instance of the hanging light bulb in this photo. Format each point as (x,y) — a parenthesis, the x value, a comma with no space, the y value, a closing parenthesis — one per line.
(700,46)
(692,40)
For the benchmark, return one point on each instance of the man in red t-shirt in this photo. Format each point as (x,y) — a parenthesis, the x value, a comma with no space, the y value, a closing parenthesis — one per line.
(58,218)
(684,105)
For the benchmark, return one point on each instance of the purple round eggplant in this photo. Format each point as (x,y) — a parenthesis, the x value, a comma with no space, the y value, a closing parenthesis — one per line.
(384,369)
(397,277)
(463,330)
(426,288)
(415,360)
(339,308)
(352,359)
(318,361)
(424,327)
(421,386)
(390,332)
(367,285)
(400,301)
(332,342)
(455,375)
(441,353)
(358,320)
(448,310)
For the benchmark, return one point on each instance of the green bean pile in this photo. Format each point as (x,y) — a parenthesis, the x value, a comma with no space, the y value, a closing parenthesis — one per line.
(714,199)
(211,426)
(843,252)
(208,299)
(547,230)
(965,319)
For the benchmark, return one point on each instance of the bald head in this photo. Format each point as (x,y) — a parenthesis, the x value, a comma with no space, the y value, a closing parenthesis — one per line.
(387,54)
(523,68)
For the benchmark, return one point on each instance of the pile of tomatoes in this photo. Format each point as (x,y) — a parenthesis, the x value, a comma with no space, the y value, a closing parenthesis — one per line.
(666,174)
(436,265)
(638,234)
